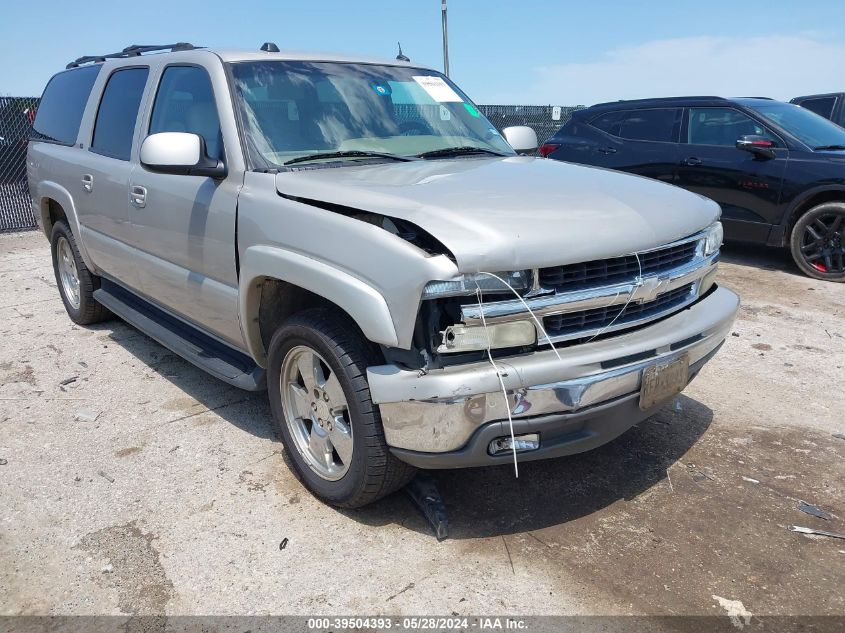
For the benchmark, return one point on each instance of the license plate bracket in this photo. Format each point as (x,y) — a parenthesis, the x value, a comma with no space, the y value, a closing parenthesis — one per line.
(663,380)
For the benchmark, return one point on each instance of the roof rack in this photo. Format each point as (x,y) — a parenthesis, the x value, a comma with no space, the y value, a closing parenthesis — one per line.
(132,51)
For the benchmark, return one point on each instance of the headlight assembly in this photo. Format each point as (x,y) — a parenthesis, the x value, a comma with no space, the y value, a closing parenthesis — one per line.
(713,240)
(465,285)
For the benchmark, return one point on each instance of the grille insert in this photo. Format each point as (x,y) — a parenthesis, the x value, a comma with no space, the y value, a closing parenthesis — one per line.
(598,318)
(602,272)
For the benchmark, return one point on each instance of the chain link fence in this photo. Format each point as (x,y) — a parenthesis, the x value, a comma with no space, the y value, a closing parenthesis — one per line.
(17,114)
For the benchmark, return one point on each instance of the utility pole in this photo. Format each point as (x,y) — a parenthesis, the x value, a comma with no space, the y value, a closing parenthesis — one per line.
(445,40)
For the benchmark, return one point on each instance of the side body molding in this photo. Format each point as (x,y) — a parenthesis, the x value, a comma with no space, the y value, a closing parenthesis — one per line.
(53,190)
(362,302)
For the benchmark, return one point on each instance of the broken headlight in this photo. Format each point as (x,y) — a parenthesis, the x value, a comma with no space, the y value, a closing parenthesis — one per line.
(469,284)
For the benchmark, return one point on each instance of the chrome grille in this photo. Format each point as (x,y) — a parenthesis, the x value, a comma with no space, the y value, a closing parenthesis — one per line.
(600,272)
(587,321)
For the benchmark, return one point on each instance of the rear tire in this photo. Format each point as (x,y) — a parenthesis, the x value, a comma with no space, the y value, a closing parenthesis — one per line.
(319,396)
(75,282)
(818,242)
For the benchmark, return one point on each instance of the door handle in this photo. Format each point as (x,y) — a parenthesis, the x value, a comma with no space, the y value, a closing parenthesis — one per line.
(88,182)
(138,196)
(607,150)
(692,161)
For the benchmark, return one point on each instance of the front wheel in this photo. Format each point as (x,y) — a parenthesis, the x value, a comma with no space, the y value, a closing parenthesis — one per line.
(818,242)
(317,384)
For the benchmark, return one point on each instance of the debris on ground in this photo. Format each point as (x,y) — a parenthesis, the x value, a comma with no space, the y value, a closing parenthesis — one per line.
(283,544)
(67,381)
(107,569)
(86,415)
(806,530)
(739,615)
(3,461)
(105,476)
(839,436)
(750,480)
(809,508)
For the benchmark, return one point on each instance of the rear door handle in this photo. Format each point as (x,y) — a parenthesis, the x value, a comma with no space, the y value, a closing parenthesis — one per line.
(692,161)
(607,150)
(138,196)
(88,182)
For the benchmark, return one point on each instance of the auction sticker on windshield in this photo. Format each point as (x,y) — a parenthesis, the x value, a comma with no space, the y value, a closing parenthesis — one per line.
(437,89)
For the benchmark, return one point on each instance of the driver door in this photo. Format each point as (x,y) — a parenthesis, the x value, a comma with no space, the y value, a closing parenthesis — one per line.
(746,186)
(184,225)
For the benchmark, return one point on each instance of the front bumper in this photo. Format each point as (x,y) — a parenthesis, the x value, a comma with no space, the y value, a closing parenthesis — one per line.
(446,417)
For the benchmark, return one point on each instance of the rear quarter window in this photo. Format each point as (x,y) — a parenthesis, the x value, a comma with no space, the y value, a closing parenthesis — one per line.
(62,104)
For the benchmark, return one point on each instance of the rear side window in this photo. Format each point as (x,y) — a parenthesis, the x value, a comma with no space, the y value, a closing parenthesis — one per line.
(822,106)
(62,104)
(115,124)
(609,122)
(185,103)
(650,125)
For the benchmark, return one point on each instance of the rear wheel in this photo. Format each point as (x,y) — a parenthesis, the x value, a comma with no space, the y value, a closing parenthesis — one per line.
(75,282)
(818,242)
(317,384)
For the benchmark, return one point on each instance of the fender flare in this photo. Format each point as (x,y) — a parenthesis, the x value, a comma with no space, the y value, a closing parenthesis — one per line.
(54,191)
(358,299)
(806,195)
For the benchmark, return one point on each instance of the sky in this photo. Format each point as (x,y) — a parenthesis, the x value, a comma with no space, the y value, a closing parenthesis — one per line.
(529,52)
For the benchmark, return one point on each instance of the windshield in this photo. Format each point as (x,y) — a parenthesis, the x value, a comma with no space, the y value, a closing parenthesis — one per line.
(294,109)
(806,126)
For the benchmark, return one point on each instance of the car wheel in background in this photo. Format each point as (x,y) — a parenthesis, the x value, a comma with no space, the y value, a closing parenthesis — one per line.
(818,242)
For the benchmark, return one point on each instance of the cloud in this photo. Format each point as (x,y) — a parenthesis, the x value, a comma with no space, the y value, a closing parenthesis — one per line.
(780,66)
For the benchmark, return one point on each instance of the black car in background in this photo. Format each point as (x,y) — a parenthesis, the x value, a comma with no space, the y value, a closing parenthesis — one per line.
(776,169)
(830,106)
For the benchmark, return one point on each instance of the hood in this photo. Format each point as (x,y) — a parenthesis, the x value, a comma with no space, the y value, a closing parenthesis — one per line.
(514,213)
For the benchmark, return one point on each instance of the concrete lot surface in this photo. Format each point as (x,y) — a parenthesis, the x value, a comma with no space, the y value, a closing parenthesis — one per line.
(132,483)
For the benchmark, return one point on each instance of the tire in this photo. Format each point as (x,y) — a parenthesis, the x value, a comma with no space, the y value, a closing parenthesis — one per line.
(341,353)
(818,242)
(81,307)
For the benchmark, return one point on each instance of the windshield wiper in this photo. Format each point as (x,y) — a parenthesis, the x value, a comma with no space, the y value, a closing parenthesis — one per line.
(458,151)
(830,147)
(348,154)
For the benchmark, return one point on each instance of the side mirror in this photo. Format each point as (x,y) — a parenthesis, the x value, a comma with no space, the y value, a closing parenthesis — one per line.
(521,137)
(758,145)
(179,153)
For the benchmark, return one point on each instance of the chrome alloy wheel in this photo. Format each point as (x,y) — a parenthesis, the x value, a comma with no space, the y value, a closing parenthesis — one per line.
(316,412)
(67,272)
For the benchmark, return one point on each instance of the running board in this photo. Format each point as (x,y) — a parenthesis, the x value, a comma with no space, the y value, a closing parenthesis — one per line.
(207,353)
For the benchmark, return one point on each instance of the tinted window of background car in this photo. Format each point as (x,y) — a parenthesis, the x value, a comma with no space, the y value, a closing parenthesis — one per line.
(185,103)
(115,124)
(62,104)
(609,122)
(822,106)
(650,125)
(722,126)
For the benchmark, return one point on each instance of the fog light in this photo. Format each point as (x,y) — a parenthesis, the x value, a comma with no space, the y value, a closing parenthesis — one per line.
(463,338)
(528,442)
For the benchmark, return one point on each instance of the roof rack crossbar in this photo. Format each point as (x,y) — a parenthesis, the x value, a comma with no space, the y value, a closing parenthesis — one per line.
(134,50)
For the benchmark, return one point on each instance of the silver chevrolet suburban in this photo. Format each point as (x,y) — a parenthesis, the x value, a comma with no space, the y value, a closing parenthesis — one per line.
(354,236)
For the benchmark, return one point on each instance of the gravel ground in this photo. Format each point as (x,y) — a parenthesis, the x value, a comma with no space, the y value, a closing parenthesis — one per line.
(132,483)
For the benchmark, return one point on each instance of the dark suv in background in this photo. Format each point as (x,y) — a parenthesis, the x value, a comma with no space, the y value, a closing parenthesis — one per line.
(830,106)
(776,169)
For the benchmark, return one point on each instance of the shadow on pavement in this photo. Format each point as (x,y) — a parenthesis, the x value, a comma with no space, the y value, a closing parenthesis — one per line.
(485,502)
(759,256)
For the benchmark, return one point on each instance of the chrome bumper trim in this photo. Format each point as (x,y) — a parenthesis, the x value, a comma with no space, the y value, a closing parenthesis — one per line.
(439,411)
